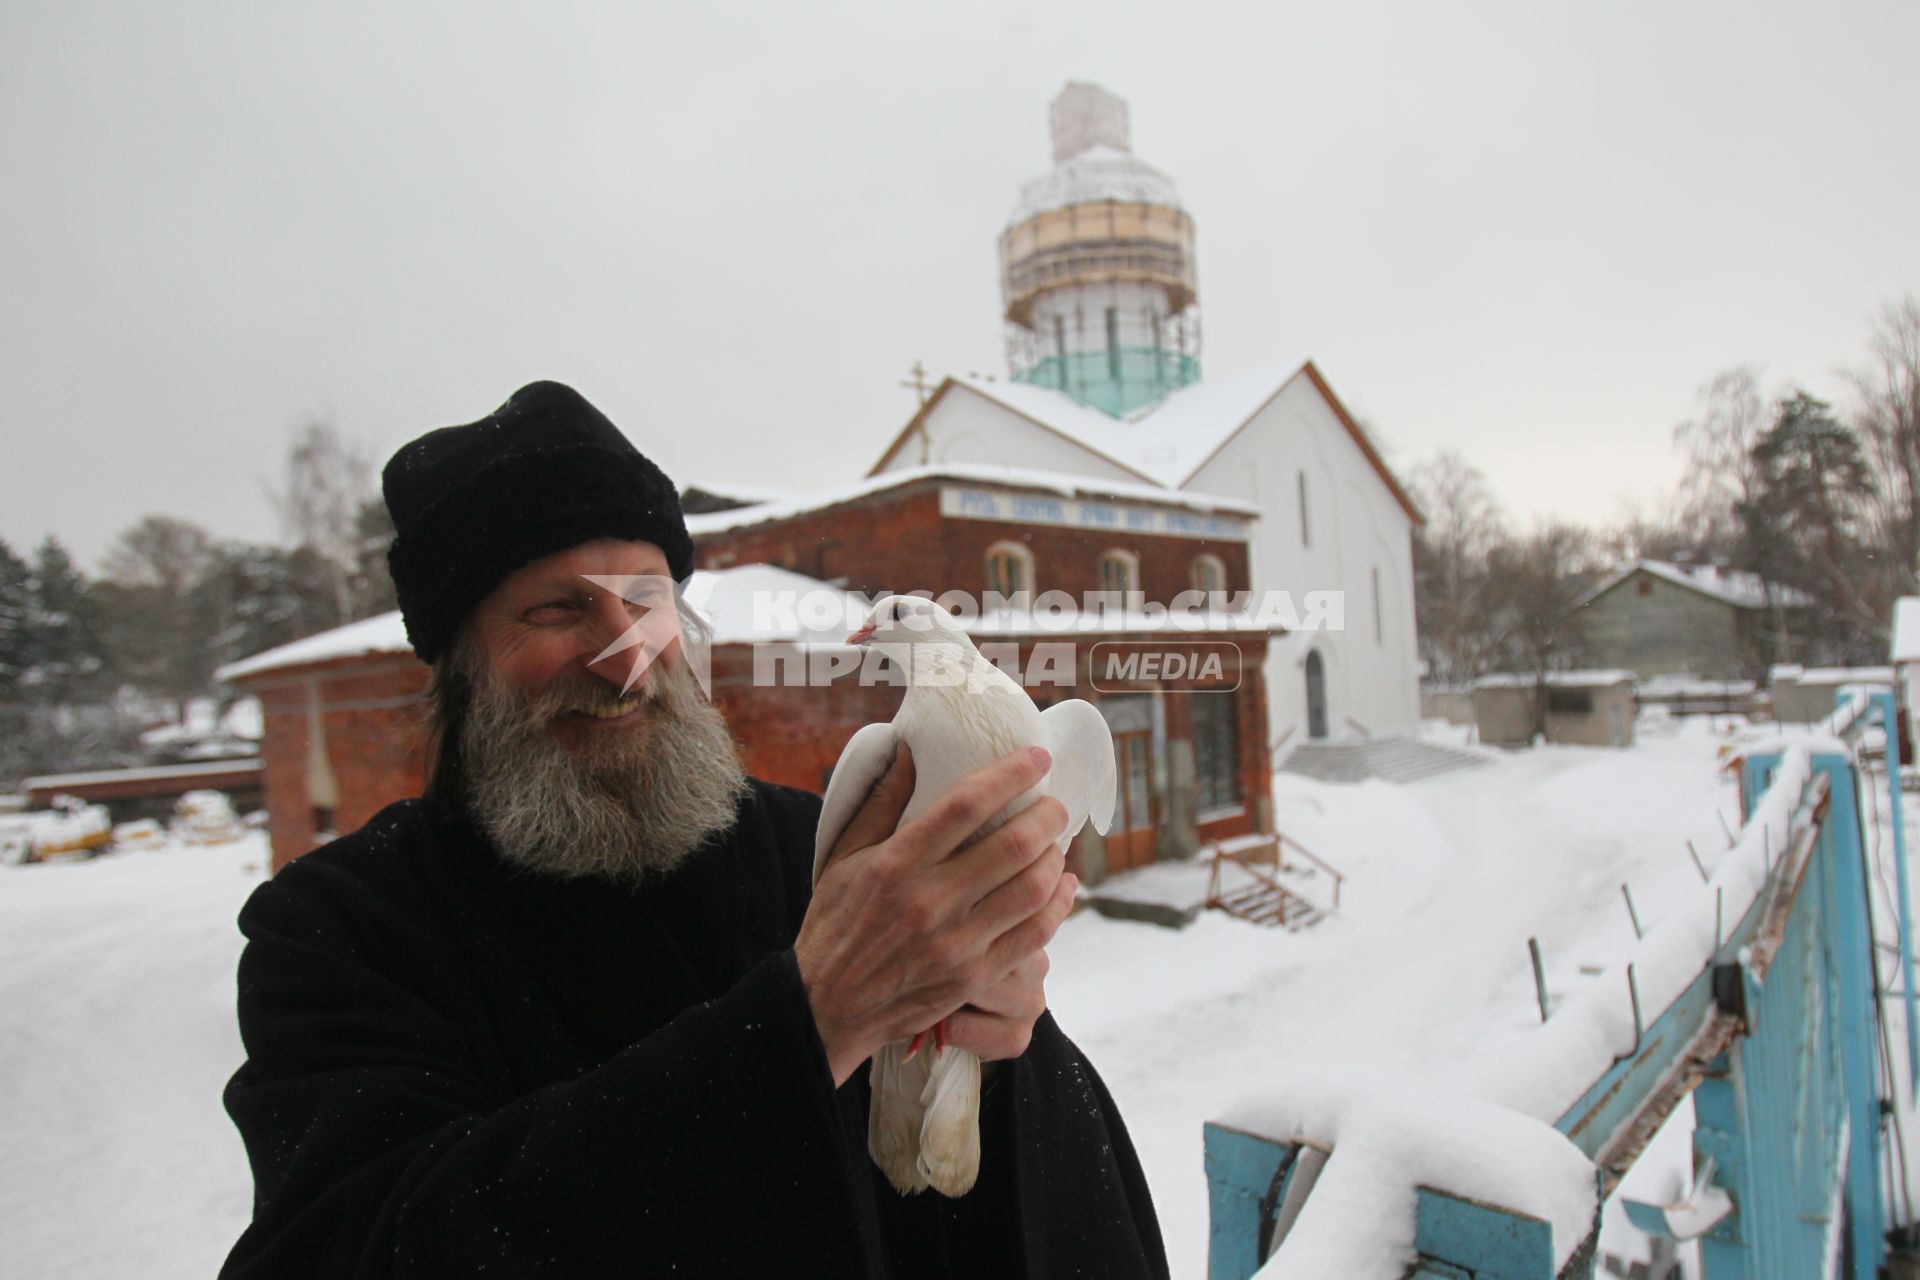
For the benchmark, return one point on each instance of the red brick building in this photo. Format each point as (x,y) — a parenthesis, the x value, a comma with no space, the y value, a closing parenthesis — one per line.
(344,717)
(1193,750)
(343,729)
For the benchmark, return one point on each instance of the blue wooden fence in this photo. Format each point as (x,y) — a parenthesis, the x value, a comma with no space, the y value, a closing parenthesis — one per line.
(1775,1040)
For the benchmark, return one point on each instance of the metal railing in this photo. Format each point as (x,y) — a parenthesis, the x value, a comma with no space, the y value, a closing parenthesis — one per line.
(1777,1038)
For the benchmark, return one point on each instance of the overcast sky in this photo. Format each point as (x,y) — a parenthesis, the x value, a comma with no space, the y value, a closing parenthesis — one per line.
(1526,232)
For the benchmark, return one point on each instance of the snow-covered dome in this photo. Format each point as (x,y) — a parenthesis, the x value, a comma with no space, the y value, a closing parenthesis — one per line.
(1098,173)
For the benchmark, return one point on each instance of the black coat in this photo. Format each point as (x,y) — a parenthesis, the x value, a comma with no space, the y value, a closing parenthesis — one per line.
(455,1068)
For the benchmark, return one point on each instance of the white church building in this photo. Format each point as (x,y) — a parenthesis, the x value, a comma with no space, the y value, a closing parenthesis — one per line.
(1101,306)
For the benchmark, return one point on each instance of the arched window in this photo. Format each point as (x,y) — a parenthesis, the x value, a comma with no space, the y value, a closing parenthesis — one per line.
(1306,520)
(1119,572)
(1209,574)
(1009,569)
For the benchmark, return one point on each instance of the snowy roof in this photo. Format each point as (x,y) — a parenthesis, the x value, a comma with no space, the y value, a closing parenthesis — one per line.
(383,633)
(1736,587)
(202,722)
(754,603)
(975,473)
(726,596)
(1167,442)
(741,492)
(750,603)
(1682,685)
(1023,622)
(1098,173)
(156,773)
(1906,629)
(1790,673)
(1557,680)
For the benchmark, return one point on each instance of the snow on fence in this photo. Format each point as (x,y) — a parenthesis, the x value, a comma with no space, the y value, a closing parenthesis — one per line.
(1756,998)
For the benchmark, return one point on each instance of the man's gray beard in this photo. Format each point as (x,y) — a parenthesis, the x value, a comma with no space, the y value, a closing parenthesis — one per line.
(622,804)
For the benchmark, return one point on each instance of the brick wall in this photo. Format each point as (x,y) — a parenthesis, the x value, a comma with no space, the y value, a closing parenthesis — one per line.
(372,719)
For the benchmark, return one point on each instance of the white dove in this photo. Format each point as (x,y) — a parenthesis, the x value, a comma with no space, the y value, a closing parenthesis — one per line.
(960,714)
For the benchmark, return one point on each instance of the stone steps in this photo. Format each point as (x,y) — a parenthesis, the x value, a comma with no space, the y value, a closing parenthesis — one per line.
(1392,759)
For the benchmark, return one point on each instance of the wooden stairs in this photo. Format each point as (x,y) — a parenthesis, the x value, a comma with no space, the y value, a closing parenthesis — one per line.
(1265,880)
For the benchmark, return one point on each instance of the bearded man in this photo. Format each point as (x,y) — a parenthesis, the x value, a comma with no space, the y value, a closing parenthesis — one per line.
(578,1011)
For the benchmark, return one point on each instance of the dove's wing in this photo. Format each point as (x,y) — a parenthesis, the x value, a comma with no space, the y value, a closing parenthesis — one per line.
(1082,777)
(867,755)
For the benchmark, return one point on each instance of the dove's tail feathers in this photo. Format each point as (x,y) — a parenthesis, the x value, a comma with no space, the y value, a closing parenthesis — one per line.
(895,1116)
(950,1134)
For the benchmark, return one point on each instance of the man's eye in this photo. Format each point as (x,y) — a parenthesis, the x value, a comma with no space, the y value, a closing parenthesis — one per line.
(552,611)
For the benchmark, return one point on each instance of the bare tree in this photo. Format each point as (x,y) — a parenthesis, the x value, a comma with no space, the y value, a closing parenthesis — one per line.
(1720,473)
(159,552)
(155,634)
(328,481)
(1657,533)
(1888,423)
(1536,583)
(1450,566)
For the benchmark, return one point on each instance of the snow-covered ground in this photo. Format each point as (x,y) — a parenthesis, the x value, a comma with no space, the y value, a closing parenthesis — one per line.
(116,996)
(1425,967)
(116,1036)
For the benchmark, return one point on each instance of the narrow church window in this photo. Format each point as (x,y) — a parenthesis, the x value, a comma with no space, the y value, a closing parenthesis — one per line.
(1306,526)
(1379,631)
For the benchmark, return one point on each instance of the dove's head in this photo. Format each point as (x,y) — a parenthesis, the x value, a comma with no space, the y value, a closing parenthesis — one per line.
(913,620)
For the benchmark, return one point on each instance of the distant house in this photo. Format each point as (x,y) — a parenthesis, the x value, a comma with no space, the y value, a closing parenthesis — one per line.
(1658,618)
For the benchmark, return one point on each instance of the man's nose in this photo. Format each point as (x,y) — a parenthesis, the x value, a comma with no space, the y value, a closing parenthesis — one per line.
(609,620)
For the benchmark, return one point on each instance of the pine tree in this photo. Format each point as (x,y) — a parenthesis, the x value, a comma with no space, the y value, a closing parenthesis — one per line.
(1802,523)
(66,657)
(16,605)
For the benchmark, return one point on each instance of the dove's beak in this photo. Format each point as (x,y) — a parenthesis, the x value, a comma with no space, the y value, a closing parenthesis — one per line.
(864,634)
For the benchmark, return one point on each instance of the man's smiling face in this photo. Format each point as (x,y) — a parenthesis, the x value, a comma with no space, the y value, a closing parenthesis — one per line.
(546,630)
(587,744)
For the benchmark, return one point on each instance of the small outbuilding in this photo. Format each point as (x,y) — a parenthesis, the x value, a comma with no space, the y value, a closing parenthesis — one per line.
(1906,668)
(151,791)
(1806,695)
(1576,708)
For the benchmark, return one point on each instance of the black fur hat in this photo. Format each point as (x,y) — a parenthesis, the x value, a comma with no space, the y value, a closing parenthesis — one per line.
(543,472)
